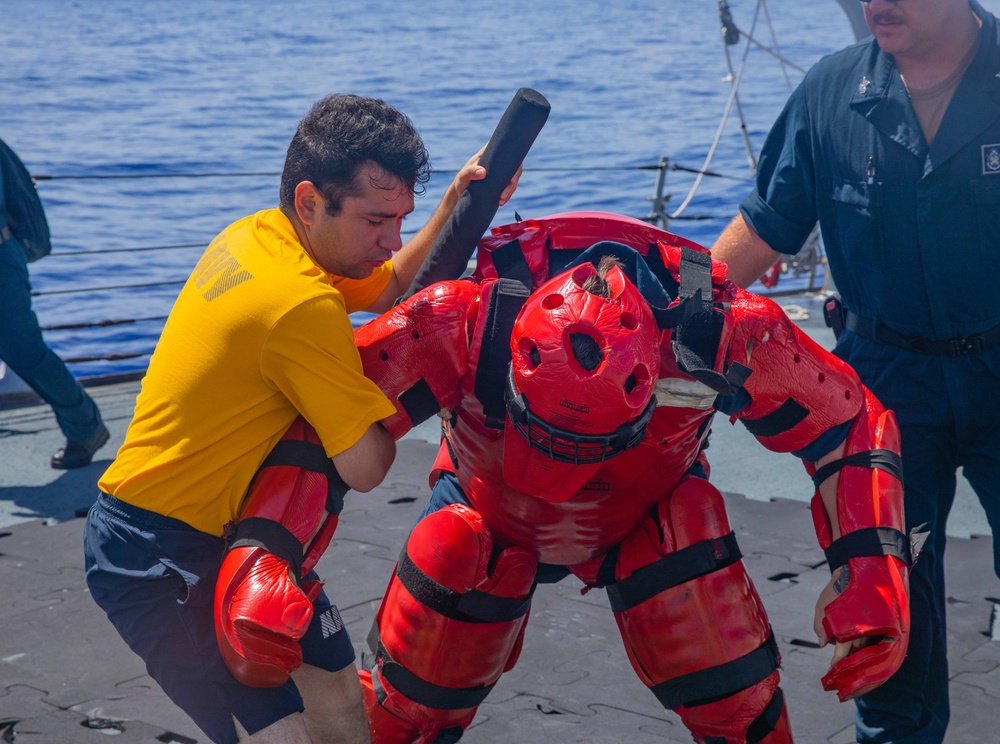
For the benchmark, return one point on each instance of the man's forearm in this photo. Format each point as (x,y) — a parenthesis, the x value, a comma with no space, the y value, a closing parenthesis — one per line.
(745,252)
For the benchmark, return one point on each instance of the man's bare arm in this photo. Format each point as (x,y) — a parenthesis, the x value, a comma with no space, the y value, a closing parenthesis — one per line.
(364,464)
(746,253)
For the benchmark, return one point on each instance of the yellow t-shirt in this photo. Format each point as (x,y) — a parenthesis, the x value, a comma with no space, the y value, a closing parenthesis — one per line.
(258,334)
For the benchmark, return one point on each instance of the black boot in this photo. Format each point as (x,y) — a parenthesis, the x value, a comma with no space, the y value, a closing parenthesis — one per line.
(78,454)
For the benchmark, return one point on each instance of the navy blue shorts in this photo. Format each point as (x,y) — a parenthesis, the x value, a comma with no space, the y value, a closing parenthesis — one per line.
(155,578)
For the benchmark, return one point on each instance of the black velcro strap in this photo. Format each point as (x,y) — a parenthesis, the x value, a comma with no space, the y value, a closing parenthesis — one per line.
(782,419)
(272,536)
(426,693)
(471,607)
(881,459)
(718,682)
(312,457)
(510,263)
(870,541)
(506,300)
(694,293)
(674,316)
(696,273)
(673,570)
(419,402)
(764,724)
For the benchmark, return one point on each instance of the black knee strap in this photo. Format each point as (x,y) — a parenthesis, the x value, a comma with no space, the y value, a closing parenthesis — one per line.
(420,690)
(674,569)
(721,681)
(274,537)
(762,725)
(472,606)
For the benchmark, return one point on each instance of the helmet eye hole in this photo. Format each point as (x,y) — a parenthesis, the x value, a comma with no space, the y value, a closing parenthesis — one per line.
(630,383)
(586,351)
(552,301)
(534,358)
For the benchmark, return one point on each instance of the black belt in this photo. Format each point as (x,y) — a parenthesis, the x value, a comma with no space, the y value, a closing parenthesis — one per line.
(952,347)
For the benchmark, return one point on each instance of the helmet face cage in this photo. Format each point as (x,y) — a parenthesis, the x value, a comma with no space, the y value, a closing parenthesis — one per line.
(566,446)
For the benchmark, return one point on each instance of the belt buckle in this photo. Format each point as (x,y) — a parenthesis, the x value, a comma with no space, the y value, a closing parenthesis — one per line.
(969,345)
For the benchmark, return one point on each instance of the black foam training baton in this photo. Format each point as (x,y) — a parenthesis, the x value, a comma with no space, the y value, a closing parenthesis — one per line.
(511,140)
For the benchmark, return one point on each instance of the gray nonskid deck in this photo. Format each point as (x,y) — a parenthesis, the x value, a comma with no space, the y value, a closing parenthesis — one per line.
(63,668)
(66,677)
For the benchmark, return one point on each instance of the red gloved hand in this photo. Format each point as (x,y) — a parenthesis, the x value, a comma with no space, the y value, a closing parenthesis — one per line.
(260,615)
(870,623)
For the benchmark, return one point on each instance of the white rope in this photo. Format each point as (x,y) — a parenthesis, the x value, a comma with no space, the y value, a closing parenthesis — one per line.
(736,77)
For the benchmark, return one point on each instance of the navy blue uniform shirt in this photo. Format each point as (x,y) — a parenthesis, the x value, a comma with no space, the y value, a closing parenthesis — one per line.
(912,232)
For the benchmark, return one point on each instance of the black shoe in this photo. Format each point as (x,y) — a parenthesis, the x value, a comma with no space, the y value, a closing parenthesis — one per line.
(78,454)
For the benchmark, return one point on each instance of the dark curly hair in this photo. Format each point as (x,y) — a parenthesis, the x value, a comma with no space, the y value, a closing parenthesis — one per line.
(339,135)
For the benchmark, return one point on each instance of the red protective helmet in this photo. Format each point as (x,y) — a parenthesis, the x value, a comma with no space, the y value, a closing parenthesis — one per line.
(584,363)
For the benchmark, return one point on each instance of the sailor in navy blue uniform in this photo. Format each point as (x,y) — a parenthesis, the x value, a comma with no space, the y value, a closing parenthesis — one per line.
(893,145)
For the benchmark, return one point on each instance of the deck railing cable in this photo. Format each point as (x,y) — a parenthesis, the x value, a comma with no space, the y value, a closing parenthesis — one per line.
(452,171)
(662,167)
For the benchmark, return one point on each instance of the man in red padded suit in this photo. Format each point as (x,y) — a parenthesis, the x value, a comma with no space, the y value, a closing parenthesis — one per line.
(577,373)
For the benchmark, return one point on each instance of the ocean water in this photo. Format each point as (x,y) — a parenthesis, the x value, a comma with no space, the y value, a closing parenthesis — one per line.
(152,125)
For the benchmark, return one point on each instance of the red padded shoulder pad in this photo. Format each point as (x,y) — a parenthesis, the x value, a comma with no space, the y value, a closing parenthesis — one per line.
(418,352)
(797,389)
(671,252)
(569,231)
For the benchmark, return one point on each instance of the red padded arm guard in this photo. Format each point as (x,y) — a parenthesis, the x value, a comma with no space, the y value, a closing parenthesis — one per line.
(418,351)
(797,392)
(287,521)
(797,389)
(875,603)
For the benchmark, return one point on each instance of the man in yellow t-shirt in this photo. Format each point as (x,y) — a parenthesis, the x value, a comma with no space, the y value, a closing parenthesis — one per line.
(260,335)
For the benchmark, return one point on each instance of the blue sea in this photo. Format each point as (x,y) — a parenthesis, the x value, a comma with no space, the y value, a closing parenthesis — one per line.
(152,125)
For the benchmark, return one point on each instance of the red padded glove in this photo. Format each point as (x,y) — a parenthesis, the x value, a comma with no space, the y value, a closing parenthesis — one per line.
(875,605)
(260,616)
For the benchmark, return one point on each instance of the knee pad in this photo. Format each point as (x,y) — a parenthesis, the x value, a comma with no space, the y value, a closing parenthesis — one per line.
(451,621)
(693,625)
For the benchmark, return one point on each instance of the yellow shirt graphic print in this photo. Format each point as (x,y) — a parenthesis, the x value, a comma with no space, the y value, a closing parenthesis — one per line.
(219,270)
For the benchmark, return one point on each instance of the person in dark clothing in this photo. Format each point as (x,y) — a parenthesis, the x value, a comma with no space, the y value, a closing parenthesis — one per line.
(22,347)
(893,146)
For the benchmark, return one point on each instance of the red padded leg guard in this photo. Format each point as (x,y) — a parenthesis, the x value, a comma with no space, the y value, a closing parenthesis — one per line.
(385,727)
(450,624)
(295,496)
(729,720)
(693,625)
